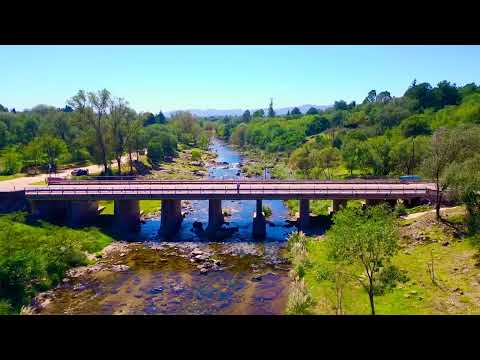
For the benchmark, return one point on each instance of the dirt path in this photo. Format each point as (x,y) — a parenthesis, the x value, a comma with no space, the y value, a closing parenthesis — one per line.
(23,182)
(420,214)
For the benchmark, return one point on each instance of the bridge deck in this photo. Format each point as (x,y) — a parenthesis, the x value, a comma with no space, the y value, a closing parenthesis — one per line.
(227,190)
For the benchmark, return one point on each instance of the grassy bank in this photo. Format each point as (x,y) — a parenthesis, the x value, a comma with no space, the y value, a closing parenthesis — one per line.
(454,287)
(35,256)
(146,206)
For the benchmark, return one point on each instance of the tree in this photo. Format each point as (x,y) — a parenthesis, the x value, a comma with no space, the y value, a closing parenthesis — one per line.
(53,149)
(238,136)
(340,105)
(259,113)
(351,155)
(368,238)
(160,118)
(92,109)
(415,125)
(312,111)
(318,125)
(446,94)
(118,124)
(12,162)
(246,117)
(3,108)
(326,159)
(296,111)
(383,97)
(271,113)
(447,148)
(371,97)
(3,135)
(423,94)
(34,152)
(463,179)
(149,119)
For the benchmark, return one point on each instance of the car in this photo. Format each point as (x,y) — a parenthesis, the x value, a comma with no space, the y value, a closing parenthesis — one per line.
(410,178)
(80,172)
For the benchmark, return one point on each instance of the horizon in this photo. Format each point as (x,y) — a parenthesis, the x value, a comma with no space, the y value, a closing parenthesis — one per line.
(220,77)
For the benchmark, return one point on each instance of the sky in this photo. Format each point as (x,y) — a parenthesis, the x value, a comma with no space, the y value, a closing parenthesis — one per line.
(154,78)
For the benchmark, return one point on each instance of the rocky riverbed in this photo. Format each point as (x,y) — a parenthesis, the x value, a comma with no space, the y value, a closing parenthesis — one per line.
(166,278)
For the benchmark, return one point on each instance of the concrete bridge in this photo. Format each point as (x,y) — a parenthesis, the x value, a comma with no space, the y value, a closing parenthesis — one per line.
(77,201)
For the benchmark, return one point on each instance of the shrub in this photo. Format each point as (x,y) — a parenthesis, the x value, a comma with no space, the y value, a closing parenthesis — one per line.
(388,279)
(196,155)
(267,210)
(299,299)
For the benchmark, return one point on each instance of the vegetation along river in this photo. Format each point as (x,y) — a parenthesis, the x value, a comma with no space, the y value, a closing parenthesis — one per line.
(186,275)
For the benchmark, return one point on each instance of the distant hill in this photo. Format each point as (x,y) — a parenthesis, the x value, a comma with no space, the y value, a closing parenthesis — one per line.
(238,112)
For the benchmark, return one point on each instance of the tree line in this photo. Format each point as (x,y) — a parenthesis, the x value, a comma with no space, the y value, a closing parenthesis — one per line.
(93,127)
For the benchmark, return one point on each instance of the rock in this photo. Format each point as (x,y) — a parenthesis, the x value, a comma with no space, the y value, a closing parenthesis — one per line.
(79,287)
(203,271)
(257,278)
(120,268)
(446,243)
(406,296)
(413,292)
(122,254)
(217,262)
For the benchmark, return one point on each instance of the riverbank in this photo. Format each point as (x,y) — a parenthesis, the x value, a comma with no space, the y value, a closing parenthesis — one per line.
(424,241)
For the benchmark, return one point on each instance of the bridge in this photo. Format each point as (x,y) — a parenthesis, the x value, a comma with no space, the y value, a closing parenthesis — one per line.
(78,200)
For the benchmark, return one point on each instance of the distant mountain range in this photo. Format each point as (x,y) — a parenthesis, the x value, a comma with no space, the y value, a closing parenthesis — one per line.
(238,112)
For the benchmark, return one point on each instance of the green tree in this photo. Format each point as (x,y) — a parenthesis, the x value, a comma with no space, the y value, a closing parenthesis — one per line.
(296,111)
(312,111)
(318,125)
(12,162)
(92,110)
(53,149)
(271,112)
(259,113)
(246,117)
(415,125)
(351,153)
(367,238)
(34,153)
(371,97)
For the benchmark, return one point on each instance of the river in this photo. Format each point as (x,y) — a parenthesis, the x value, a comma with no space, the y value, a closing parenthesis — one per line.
(189,275)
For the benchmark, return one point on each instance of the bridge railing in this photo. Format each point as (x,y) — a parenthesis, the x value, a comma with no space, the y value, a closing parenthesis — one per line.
(60,190)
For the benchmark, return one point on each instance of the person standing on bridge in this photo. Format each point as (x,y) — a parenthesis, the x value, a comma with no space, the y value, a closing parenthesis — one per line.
(238,188)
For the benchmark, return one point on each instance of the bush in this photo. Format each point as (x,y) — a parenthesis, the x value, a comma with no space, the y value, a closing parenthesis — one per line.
(388,279)
(5,307)
(196,155)
(299,299)
(400,209)
(267,210)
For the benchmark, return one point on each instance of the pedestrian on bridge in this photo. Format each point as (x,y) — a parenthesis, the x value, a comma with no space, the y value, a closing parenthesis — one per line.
(238,188)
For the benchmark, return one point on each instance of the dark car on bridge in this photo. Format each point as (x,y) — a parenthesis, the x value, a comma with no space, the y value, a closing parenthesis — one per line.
(79,172)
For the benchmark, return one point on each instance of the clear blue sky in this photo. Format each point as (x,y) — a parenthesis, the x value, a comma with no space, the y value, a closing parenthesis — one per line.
(223,77)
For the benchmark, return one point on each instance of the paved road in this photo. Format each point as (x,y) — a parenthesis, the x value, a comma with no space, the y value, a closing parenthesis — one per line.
(24,182)
(205,189)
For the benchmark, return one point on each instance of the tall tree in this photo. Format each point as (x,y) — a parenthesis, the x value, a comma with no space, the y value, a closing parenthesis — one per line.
(271,113)
(246,117)
(368,238)
(312,111)
(92,109)
(371,97)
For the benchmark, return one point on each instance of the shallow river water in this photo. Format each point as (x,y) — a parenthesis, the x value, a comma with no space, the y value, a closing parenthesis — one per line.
(187,275)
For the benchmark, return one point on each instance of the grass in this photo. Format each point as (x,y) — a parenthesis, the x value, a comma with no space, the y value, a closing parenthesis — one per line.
(456,267)
(146,206)
(38,183)
(11,177)
(35,256)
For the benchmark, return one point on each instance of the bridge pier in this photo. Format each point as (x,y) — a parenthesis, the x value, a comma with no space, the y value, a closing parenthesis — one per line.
(171,217)
(81,212)
(259,223)
(127,214)
(338,204)
(215,216)
(304,218)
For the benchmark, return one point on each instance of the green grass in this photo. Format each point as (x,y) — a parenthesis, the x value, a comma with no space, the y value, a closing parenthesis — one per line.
(38,183)
(35,256)
(147,206)
(418,295)
(11,177)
